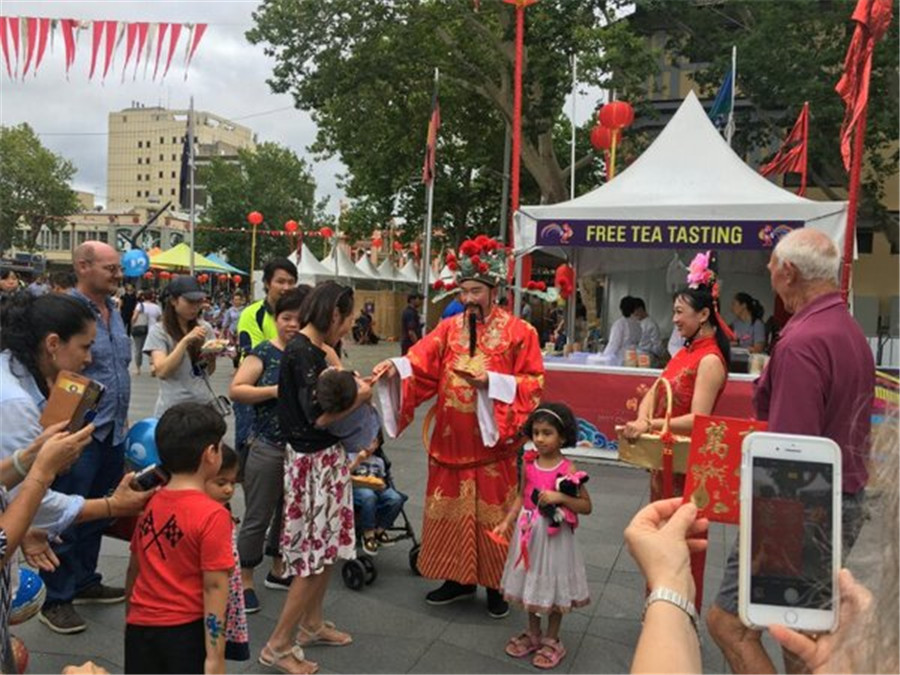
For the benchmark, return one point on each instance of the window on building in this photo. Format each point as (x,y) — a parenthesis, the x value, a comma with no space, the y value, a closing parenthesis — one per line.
(173,192)
(103,236)
(140,160)
(174,157)
(173,174)
(140,144)
(146,176)
(147,142)
(139,176)
(160,174)
(138,193)
(174,140)
(147,160)
(161,140)
(160,192)
(146,193)
(66,240)
(161,157)
(81,237)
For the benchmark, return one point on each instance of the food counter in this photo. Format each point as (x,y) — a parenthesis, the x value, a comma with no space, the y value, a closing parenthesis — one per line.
(603,396)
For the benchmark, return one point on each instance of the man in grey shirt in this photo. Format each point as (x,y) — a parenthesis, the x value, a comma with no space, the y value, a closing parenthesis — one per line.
(651,340)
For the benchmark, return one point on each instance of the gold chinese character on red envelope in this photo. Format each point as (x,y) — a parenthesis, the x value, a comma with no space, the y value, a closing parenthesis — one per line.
(714,466)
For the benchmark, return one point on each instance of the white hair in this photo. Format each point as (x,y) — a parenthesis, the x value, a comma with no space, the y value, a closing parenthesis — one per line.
(813,253)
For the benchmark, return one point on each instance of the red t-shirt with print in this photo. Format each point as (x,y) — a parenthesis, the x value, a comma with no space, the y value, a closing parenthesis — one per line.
(180,535)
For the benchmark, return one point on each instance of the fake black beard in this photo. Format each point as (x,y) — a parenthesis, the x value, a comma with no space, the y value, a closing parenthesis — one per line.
(472,317)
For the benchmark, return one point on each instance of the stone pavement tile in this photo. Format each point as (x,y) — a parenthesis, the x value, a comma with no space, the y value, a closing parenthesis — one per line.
(599,655)
(102,640)
(371,653)
(623,596)
(599,549)
(372,615)
(623,631)
(442,657)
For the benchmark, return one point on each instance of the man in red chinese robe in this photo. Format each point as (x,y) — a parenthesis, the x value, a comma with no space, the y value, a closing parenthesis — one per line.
(486,369)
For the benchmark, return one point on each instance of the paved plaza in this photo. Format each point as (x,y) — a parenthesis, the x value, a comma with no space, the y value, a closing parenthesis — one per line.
(394,630)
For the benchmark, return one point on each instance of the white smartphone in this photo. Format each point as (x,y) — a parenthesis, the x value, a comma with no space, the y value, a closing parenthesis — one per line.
(790,532)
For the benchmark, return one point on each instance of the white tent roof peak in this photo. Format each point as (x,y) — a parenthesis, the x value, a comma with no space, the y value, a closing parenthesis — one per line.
(308,265)
(345,267)
(364,264)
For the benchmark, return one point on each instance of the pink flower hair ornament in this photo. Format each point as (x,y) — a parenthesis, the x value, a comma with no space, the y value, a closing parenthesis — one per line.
(699,273)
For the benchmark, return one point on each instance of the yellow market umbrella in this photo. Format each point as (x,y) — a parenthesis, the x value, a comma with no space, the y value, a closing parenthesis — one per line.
(179,258)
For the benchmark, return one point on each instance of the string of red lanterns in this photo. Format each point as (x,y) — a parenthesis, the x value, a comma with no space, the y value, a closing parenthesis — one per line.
(612,120)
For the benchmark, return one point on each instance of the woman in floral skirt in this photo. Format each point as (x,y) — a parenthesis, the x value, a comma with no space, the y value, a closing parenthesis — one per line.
(318,508)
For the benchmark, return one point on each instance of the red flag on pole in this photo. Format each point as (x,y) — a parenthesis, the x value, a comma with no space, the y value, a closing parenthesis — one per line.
(431,140)
(872,17)
(791,156)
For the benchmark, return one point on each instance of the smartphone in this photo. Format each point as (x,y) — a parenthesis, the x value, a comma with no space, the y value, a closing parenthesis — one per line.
(74,397)
(151,477)
(790,532)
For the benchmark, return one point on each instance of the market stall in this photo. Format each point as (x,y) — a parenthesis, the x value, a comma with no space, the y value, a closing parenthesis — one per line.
(686,193)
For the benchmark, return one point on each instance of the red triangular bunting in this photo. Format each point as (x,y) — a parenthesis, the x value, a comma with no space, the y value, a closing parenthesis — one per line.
(68,31)
(5,46)
(110,44)
(142,29)
(43,32)
(130,35)
(163,27)
(31,26)
(174,34)
(96,35)
(199,30)
(13,23)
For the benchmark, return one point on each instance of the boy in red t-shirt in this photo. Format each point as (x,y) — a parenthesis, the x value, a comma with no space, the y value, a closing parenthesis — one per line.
(181,555)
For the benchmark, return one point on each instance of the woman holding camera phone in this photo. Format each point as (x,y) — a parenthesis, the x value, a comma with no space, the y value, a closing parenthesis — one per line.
(42,336)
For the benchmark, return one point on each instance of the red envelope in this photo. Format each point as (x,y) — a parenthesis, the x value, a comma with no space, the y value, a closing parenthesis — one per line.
(714,466)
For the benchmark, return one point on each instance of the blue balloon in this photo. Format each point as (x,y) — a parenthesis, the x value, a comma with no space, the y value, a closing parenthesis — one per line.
(140,444)
(135,262)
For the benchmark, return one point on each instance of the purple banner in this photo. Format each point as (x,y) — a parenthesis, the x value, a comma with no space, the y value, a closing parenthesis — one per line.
(667,234)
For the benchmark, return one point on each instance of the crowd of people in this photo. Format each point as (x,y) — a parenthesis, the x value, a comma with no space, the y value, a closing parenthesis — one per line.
(502,499)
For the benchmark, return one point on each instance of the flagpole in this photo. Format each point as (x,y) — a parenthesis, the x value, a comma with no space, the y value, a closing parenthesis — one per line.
(426,258)
(729,128)
(572,159)
(853,202)
(805,142)
(191,175)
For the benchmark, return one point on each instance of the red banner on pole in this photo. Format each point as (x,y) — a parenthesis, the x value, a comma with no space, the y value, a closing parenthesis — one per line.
(792,155)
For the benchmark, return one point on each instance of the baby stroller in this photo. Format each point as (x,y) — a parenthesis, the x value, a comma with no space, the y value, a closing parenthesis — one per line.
(362,572)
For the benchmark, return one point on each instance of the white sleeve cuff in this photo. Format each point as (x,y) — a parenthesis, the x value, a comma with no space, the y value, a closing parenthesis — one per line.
(390,395)
(403,366)
(502,387)
(484,408)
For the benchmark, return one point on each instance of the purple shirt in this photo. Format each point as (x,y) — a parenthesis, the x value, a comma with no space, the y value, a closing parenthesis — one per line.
(820,382)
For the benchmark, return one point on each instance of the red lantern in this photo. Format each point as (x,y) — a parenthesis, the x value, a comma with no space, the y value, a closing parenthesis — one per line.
(377,242)
(148,275)
(326,232)
(616,115)
(291,226)
(601,137)
(223,277)
(564,280)
(398,246)
(164,275)
(236,279)
(254,218)
(203,278)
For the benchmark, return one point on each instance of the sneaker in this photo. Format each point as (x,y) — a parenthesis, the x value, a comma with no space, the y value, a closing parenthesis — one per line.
(251,602)
(370,545)
(277,583)
(451,591)
(62,619)
(98,594)
(384,539)
(497,606)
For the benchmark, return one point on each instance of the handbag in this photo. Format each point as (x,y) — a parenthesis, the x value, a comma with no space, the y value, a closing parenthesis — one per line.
(661,450)
(221,404)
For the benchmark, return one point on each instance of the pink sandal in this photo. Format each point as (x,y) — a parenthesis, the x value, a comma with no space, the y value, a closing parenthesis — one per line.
(549,655)
(522,645)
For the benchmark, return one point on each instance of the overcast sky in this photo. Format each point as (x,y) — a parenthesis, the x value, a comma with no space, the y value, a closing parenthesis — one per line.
(227,77)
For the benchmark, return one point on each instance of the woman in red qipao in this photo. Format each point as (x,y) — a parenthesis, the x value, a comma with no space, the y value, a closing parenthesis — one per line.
(697,372)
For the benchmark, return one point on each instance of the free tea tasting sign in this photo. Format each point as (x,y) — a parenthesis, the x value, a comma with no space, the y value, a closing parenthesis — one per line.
(718,234)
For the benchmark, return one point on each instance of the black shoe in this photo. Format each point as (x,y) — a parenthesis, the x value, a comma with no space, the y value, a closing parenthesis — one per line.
(277,583)
(497,606)
(62,619)
(99,594)
(450,591)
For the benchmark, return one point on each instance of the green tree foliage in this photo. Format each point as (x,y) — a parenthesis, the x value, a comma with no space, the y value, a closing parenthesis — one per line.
(271,180)
(365,71)
(34,187)
(788,53)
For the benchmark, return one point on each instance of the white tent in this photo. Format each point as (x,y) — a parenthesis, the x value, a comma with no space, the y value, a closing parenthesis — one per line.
(339,265)
(689,177)
(389,272)
(309,269)
(364,265)
(409,272)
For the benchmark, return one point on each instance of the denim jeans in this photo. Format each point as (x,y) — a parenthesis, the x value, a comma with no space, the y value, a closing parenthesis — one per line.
(96,473)
(377,509)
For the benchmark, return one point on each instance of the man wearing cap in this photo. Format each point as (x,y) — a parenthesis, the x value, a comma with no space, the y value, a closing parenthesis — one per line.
(485,367)
(175,347)
(102,463)
(411,322)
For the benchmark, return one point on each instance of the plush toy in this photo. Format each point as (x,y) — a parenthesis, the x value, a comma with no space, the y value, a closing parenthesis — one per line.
(568,484)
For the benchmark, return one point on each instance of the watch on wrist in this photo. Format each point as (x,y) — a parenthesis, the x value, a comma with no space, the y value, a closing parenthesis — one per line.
(663,594)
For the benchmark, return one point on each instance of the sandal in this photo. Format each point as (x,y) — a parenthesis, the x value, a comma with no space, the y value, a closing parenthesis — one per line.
(522,645)
(326,635)
(269,658)
(549,655)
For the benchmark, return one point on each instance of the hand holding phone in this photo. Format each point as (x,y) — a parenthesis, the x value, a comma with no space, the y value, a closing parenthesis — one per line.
(790,532)
(149,478)
(61,451)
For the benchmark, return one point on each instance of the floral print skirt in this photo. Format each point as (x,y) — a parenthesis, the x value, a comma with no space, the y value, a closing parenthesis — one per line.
(318,511)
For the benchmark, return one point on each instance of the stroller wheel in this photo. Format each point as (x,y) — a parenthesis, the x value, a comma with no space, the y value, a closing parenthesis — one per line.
(369,565)
(354,574)
(414,559)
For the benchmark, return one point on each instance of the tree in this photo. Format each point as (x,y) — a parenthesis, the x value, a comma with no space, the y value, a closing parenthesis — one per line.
(34,187)
(365,71)
(812,40)
(271,180)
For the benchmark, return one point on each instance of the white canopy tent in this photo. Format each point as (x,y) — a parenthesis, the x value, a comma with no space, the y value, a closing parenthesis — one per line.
(687,192)
(309,269)
(364,265)
(409,272)
(389,272)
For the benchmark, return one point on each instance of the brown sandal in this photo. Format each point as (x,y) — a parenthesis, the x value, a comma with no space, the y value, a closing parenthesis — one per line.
(523,644)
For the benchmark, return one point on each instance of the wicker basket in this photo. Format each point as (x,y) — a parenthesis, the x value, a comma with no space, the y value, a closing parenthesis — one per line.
(647,451)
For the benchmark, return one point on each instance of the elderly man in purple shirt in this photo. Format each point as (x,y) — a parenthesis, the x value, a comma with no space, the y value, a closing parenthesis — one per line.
(819,382)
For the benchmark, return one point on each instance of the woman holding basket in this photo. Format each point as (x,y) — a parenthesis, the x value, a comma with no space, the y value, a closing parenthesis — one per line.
(696,374)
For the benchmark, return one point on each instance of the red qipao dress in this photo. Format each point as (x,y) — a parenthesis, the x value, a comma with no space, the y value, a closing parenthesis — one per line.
(472,449)
(681,373)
